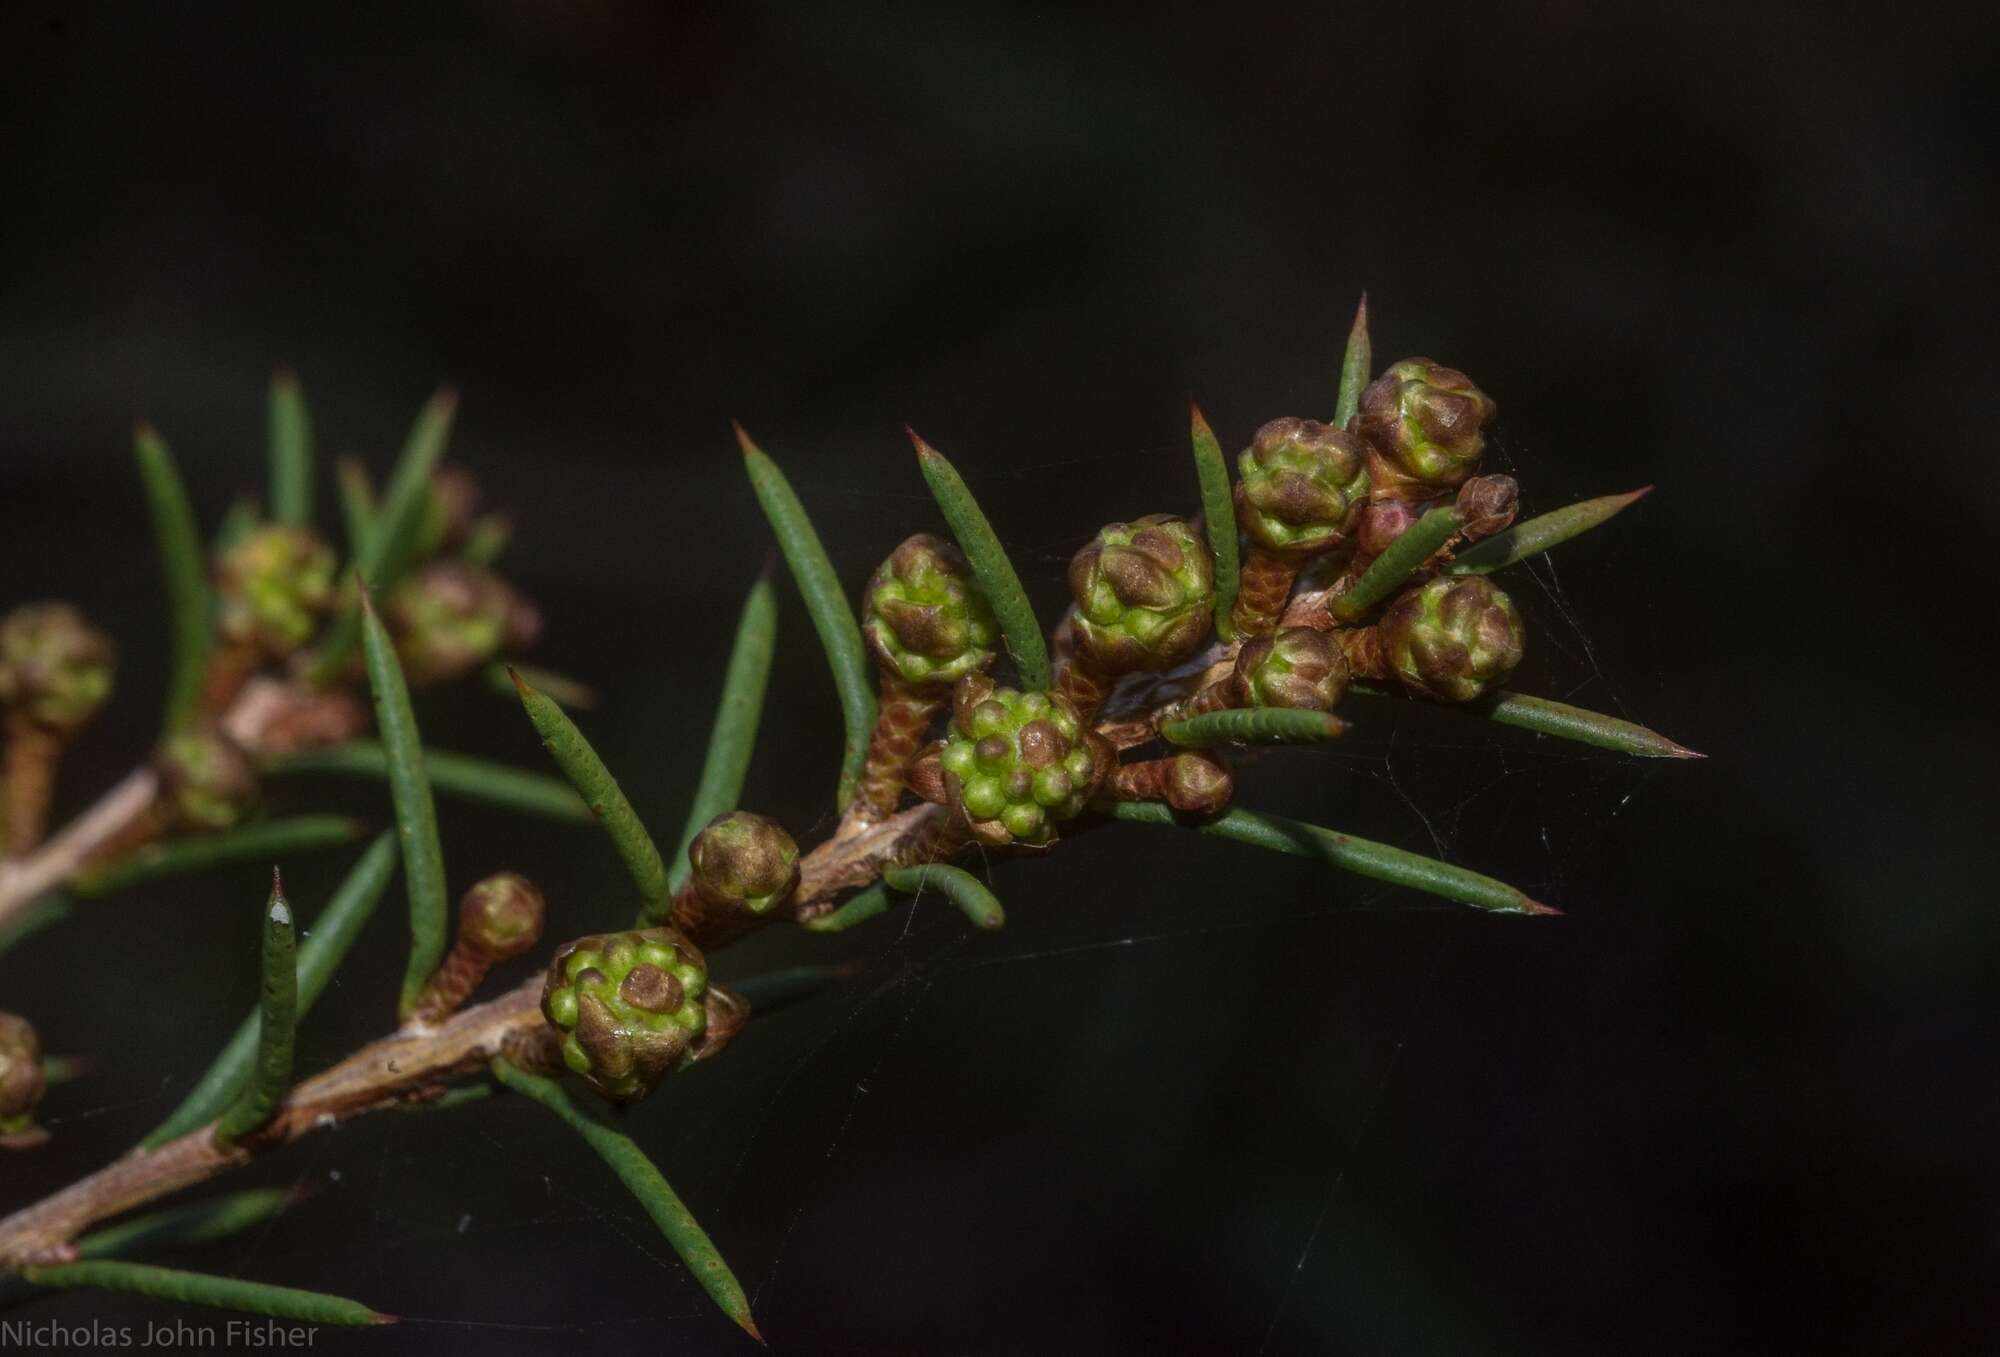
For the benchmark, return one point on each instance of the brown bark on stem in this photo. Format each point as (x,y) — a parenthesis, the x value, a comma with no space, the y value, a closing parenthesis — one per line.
(457,976)
(33,750)
(1365,656)
(1261,591)
(902,719)
(1085,688)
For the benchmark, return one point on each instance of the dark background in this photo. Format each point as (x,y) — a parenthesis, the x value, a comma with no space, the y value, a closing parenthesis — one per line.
(1192,1099)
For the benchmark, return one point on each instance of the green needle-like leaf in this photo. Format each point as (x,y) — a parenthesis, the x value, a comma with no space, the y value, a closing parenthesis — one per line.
(600,791)
(186,571)
(1537,535)
(1392,569)
(961,887)
(683,1232)
(291,451)
(572,694)
(1354,366)
(1255,725)
(990,565)
(327,943)
(384,550)
(201,1288)
(43,913)
(474,779)
(1545,716)
(260,840)
(832,615)
(733,737)
(848,913)
(357,503)
(416,810)
(1361,856)
(277,1021)
(1218,518)
(195,1223)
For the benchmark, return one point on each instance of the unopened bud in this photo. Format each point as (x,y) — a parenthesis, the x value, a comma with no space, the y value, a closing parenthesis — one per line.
(747,858)
(627,1007)
(924,619)
(1298,667)
(209,782)
(1427,419)
(1451,638)
(55,668)
(274,585)
(1301,487)
(501,917)
(1145,595)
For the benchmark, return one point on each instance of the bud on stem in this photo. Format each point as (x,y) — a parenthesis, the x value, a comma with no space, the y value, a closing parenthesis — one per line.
(498,919)
(21,1083)
(1191,781)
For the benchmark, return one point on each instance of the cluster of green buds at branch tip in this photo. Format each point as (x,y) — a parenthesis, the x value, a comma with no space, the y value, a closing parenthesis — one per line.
(1300,494)
(55,674)
(1145,600)
(21,1083)
(928,626)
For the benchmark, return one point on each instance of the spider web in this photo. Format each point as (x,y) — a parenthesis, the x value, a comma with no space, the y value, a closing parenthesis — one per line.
(816,1090)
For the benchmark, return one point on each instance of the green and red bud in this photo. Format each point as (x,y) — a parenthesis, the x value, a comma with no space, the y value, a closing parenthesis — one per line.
(1145,595)
(1301,486)
(1452,638)
(1487,505)
(924,618)
(275,585)
(1014,764)
(1427,421)
(501,917)
(1297,667)
(628,1008)
(55,668)
(451,617)
(745,859)
(208,781)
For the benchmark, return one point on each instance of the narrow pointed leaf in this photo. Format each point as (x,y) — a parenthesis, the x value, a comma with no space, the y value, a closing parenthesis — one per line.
(457,774)
(46,912)
(291,451)
(1361,856)
(1392,569)
(201,1288)
(416,810)
(682,1231)
(1546,716)
(1255,725)
(357,503)
(848,913)
(259,841)
(384,550)
(1354,368)
(185,569)
(600,791)
(1537,535)
(1218,518)
(192,1224)
(733,737)
(568,693)
(277,1022)
(990,565)
(961,887)
(832,615)
(327,943)
(238,520)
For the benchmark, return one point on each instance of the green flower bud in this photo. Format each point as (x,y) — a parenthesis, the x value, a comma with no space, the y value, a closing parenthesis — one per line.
(21,1080)
(501,917)
(275,584)
(1301,487)
(451,617)
(1145,595)
(1451,638)
(628,1007)
(1427,419)
(745,858)
(1016,763)
(1297,667)
(55,668)
(925,620)
(208,780)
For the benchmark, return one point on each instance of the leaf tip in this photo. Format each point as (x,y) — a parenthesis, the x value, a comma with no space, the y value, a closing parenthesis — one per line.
(924,450)
(748,1324)
(377,1317)
(520,684)
(749,449)
(1536,907)
(1198,420)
